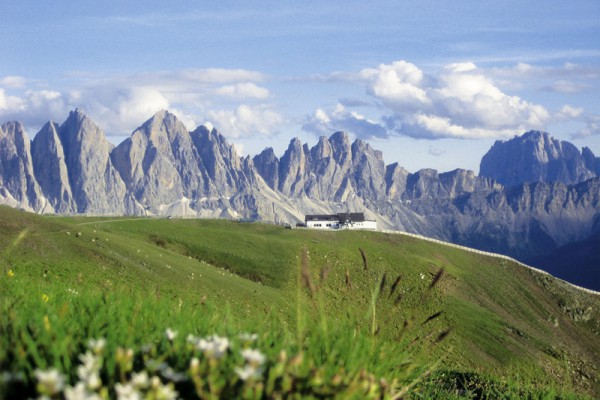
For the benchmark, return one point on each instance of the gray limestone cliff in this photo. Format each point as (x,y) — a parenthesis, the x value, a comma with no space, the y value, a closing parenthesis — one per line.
(96,186)
(51,170)
(537,157)
(16,170)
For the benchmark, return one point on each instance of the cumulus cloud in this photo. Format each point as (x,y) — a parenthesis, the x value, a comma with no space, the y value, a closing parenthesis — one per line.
(32,106)
(460,102)
(398,84)
(120,103)
(246,120)
(324,123)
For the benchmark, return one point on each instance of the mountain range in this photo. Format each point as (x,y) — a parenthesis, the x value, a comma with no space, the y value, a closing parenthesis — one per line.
(536,198)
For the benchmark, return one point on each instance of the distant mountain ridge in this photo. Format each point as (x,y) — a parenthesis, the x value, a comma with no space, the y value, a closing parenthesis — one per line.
(538,157)
(162,169)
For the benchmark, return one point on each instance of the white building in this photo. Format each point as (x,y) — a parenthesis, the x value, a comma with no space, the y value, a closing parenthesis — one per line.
(339,221)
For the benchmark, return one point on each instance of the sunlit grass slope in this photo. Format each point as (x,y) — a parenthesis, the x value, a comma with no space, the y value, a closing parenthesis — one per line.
(349,304)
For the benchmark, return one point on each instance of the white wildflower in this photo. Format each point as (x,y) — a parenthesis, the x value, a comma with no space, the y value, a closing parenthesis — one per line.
(253,356)
(163,392)
(140,380)
(248,337)
(127,392)
(97,345)
(88,372)
(422,276)
(166,392)
(170,334)
(194,364)
(213,346)
(50,382)
(191,339)
(79,392)
(248,372)
(92,380)
(90,361)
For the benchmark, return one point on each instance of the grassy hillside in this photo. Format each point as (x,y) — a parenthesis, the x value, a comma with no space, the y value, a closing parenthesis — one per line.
(335,312)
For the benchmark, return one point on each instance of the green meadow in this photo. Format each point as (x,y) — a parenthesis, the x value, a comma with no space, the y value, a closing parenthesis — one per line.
(169,308)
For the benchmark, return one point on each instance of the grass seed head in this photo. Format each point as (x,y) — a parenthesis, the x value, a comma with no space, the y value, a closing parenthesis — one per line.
(395,284)
(443,335)
(364,259)
(382,284)
(432,317)
(436,278)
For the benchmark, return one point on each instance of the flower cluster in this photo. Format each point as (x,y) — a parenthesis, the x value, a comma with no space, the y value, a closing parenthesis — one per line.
(141,386)
(218,368)
(213,346)
(254,365)
(90,383)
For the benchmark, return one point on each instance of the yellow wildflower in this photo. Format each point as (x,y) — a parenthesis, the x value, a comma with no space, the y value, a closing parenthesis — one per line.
(45,297)
(10,273)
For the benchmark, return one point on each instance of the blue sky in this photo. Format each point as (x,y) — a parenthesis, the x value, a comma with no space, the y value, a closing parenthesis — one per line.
(430,83)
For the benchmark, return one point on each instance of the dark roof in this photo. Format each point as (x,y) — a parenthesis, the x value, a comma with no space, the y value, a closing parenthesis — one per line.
(342,217)
(321,217)
(351,217)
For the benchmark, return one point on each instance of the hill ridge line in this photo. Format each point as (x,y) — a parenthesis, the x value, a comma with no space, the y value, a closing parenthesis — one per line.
(486,253)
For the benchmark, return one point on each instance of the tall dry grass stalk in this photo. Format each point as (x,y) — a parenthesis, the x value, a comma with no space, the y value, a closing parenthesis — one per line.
(364,259)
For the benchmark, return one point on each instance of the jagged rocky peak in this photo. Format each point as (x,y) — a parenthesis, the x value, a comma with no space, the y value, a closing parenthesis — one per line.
(165,131)
(95,184)
(591,161)
(323,149)
(461,181)
(395,180)
(536,156)
(216,152)
(78,127)
(13,134)
(292,169)
(341,147)
(165,118)
(50,168)
(153,160)
(16,168)
(267,165)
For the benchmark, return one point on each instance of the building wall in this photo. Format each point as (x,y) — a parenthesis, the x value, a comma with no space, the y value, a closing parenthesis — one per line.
(371,225)
(323,224)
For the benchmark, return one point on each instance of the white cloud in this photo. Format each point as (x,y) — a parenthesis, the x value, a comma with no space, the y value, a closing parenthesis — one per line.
(567,112)
(32,107)
(246,90)
(460,102)
(9,103)
(565,87)
(246,120)
(565,79)
(121,103)
(340,119)
(591,128)
(13,81)
(398,84)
